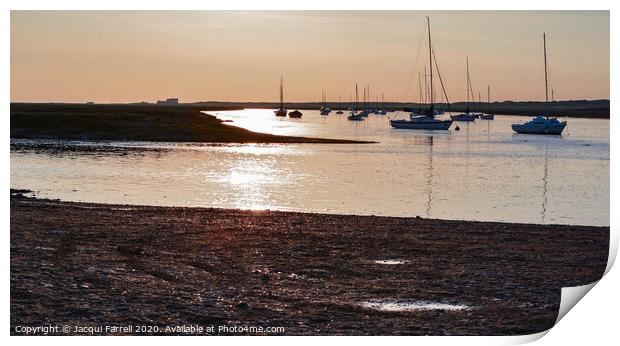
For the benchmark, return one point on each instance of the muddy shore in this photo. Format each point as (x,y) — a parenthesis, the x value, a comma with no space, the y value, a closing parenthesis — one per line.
(183,123)
(83,264)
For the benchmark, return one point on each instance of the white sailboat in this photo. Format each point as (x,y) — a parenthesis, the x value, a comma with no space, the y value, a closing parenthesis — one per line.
(488,116)
(425,120)
(542,125)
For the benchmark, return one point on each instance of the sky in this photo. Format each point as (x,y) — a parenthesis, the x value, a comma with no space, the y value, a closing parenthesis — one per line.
(133,56)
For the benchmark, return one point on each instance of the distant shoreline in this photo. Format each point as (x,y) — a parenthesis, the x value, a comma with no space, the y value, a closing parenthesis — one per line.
(313,274)
(158,123)
(577,108)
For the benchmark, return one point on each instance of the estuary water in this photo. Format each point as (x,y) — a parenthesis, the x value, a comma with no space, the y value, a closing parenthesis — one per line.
(483,172)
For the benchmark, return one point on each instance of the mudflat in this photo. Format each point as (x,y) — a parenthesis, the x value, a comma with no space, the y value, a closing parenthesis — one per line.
(84,264)
(136,123)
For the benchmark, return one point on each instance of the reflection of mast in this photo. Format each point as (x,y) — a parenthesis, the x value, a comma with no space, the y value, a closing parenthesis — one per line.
(543,212)
(429,181)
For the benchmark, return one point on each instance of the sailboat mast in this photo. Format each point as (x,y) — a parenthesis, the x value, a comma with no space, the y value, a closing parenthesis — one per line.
(420,86)
(430,59)
(545,52)
(488,97)
(364,98)
(281,92)
(425,86)
(546,81)
(467,79)
(356,96)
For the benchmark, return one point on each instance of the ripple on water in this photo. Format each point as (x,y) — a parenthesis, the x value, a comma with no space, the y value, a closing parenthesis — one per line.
(391,261)
(412,305)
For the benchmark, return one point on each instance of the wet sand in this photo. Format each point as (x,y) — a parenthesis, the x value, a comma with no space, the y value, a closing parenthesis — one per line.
(92,264)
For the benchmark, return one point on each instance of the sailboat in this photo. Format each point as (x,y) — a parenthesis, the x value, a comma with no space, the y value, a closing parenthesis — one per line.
(339,105)
(382,110)
(324,109)
(425,120)
(295,114)
(281,112)
(542,125)
(364,112)
(479,114)
(488,116)
(355,116)
(466,116)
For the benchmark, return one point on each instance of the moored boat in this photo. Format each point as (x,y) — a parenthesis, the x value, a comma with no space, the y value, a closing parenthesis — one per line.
(467,116)
(324,110)
(281,112)
(295,114)
(355,115)
(542,125)
(488,115)
(464,117)
(421,122)
(424,119)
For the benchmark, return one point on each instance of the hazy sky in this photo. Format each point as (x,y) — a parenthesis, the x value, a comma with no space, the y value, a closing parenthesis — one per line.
(125,56)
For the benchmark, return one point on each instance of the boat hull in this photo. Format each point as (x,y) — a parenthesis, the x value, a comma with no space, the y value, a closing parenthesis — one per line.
(421,125)
(539,129)
(295,114)
(280,112)
(487,116)
(356,117)
(463,117)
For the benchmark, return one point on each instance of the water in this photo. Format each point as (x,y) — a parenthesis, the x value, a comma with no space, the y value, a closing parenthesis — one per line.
(391,261)
(482,172)
(408,306)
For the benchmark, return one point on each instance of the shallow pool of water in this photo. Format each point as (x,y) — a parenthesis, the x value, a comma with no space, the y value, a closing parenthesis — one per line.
(391,261)
(411,305)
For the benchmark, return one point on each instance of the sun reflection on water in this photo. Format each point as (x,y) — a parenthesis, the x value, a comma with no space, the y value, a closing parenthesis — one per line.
(250,182)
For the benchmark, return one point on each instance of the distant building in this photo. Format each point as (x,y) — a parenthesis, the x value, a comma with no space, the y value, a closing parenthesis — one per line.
(172,101)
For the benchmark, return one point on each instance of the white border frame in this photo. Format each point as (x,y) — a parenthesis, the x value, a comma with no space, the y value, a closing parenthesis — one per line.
(592,320)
